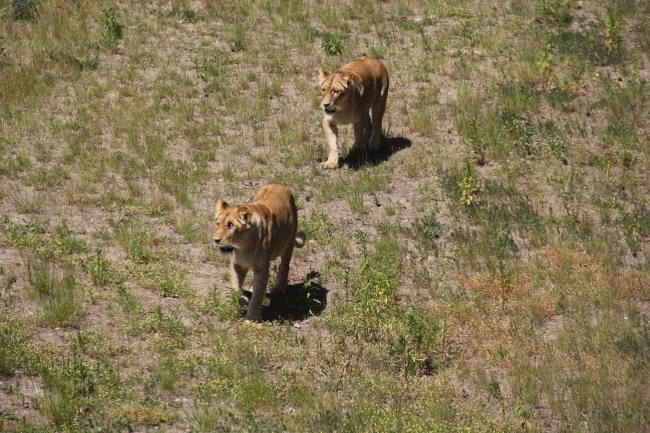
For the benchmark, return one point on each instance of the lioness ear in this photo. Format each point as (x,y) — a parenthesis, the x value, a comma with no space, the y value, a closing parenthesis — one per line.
(244,215)
(220,208)
(322,75)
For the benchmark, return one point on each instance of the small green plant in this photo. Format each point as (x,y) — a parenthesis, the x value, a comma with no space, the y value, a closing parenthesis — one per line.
(556,12)
(206,418)
(478,146)
(100,269)
(113,29)
(174,177)
(15,346)
(419,345)
(427,229)
(612,32)
(636,226)
(332,44)
(58,295)
(25,10)
(134,240)
(317,226)
(469,184)
(223,306)
(27,202)
(90,63)
(69,383)
(354,197)
(67,241)
(374,289)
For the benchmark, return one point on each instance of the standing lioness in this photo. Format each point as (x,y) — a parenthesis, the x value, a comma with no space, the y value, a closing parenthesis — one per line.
(255,234)
(349,94)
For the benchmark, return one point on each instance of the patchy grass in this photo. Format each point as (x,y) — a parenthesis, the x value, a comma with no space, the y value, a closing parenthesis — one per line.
(486,271)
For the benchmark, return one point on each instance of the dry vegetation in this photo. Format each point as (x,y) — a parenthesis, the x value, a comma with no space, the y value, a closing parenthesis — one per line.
(489,270)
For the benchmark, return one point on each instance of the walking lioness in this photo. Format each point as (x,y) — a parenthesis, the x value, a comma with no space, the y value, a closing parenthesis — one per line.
(255,234)
(349,94)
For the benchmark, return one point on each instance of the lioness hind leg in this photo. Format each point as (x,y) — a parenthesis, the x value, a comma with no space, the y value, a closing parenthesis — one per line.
(377,115)
(260,279)
(360,136)
(283,270)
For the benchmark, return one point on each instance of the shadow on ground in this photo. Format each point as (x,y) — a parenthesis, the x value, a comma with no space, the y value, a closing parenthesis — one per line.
(389,146)
(297,303)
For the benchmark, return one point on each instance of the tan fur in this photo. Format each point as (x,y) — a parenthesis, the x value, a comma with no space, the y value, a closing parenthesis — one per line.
(255,234)
(349,94)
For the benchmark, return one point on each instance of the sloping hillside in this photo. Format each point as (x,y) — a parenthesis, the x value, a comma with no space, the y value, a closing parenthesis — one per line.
(487,270)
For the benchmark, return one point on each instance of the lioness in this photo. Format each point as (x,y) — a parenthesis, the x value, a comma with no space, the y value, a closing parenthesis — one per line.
(255,234)
(349,94)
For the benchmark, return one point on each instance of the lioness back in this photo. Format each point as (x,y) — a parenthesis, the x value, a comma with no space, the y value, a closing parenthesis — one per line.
(276,204)
(374,78)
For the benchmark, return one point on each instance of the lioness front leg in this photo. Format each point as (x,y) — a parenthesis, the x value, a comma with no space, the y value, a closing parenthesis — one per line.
(237,277)
(331,137)
(260,280)
(283,271)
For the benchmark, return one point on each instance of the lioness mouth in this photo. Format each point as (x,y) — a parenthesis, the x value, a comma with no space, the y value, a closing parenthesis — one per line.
(225,249)
(330,109)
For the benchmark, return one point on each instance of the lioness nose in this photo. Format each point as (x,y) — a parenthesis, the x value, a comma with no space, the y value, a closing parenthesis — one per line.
(326,104)
(217,241)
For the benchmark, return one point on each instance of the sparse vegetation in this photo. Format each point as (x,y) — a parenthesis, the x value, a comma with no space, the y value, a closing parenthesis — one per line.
(487,271)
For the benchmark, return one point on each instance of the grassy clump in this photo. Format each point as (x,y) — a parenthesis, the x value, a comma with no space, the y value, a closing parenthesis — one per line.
(57,293)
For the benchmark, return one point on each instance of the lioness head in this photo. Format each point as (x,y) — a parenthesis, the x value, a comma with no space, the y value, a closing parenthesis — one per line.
(233,223)
(338,88)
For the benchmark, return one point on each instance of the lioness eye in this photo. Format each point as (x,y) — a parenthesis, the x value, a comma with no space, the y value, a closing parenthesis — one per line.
(229,225)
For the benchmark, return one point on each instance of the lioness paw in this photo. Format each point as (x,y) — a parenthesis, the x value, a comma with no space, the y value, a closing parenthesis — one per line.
(330,164)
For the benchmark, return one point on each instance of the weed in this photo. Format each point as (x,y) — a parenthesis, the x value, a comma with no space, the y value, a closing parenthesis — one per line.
(67,241)
(100,269)
(478,146)
(332,44)
(58,295)
(113,29)
(636,226)
(354,197)
(317,227)
(26,10)
(612,32)
(187,226)
(27,202)
(206,418)
(16,348)
(133,239)
(556,12)
(419,345)
(220,305)
(211,67)
(469,184)
(427,229)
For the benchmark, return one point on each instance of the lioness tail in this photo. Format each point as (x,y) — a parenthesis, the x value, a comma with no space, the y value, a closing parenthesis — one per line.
(299,240)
